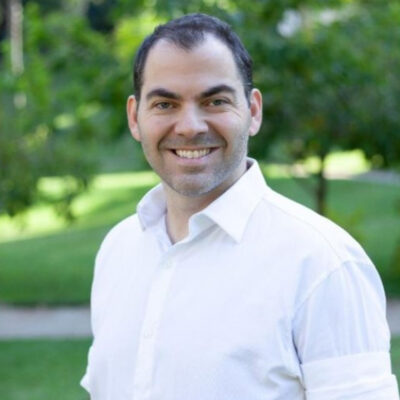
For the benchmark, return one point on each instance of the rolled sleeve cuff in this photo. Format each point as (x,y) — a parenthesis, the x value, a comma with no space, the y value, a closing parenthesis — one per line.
(365,376)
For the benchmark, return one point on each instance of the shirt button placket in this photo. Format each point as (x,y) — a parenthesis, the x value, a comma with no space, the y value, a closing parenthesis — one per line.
(146,351)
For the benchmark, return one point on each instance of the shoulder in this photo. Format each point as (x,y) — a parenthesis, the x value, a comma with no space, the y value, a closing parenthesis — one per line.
(303,248)
(124,230)
(324,268)
(303,228)
(128,225)
(118,238)
(111,265)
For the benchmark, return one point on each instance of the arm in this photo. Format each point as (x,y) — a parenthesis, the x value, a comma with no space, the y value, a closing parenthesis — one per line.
(342,337)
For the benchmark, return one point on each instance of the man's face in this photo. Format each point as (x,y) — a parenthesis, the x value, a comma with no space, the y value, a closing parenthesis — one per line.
(193,119)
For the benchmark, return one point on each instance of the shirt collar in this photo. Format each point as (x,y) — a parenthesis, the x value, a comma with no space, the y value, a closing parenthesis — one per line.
(231,211)
(152,207)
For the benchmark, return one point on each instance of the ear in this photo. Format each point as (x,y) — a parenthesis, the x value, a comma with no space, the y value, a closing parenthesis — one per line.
(131,111)
(255,111)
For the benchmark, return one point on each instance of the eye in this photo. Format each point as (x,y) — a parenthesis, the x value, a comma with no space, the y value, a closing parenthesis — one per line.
(217,102)
(163,105)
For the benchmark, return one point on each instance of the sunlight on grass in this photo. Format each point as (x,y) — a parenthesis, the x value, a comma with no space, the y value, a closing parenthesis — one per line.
(347,162)
(38,220)
(126,179)
(55,187)
(277,170)
(341,162)
(353,162)
(42,218)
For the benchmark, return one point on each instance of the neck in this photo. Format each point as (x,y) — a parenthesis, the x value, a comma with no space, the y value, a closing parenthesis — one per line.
(179,210)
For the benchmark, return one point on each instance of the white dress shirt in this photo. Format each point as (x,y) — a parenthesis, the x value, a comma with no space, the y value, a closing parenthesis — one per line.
(263,300)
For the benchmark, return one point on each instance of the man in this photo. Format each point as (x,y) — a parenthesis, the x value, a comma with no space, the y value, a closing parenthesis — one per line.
(220,288)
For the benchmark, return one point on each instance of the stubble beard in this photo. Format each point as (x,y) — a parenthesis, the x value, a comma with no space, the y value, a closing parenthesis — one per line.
(195,183)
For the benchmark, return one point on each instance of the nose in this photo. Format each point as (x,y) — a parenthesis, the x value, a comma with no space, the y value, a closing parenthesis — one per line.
(190,122)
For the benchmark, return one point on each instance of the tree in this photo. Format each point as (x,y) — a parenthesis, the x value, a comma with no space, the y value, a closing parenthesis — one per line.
(331,84)
(53,113)
(328,75)
(67,104)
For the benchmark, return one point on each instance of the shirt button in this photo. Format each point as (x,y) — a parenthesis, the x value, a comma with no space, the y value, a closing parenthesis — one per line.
(148,334)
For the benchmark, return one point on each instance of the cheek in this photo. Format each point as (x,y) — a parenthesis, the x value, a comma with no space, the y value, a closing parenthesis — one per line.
(159,120)
(156,128)
(231,126)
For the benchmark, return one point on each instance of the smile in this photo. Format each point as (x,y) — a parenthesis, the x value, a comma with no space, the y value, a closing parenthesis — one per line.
(192,153)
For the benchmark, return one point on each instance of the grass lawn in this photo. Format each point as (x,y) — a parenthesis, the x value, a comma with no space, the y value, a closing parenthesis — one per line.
(395,352)
(42,370)
(39,370)
(50,262)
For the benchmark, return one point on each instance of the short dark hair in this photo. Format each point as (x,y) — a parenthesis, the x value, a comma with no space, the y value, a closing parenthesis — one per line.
(188,31)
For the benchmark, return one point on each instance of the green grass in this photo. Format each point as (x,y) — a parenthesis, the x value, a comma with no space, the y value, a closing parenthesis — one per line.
(42,369)
(50,262)
(395,353)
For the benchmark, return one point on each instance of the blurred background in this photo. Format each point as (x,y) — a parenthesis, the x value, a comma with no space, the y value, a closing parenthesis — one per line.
(69,170)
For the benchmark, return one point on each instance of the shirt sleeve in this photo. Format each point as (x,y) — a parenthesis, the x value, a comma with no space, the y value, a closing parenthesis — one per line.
(342,337)
(94,309)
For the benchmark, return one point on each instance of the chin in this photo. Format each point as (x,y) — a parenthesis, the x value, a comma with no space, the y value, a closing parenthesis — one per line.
(190,189)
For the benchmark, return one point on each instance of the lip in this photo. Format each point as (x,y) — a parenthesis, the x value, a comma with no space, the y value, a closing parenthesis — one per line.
(193,161)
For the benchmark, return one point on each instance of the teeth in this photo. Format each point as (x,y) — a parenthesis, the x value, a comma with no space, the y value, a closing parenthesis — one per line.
(192,153)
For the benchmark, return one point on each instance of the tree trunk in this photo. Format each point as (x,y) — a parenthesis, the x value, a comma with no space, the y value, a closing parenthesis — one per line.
(321,190)
(15,11)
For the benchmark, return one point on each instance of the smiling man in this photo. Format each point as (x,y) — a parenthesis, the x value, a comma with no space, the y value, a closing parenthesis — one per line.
(193,118)
(220,288)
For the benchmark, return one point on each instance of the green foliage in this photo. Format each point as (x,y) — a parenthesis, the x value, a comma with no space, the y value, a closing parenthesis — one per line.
(34,142)
(60,114)
(328,84)
(329,80)
(129,33)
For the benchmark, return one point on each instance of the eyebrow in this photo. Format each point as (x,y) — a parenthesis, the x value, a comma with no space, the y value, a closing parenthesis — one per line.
(217,89)
(161,92)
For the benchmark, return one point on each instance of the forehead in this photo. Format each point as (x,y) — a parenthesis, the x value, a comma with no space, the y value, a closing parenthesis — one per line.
(208,63)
